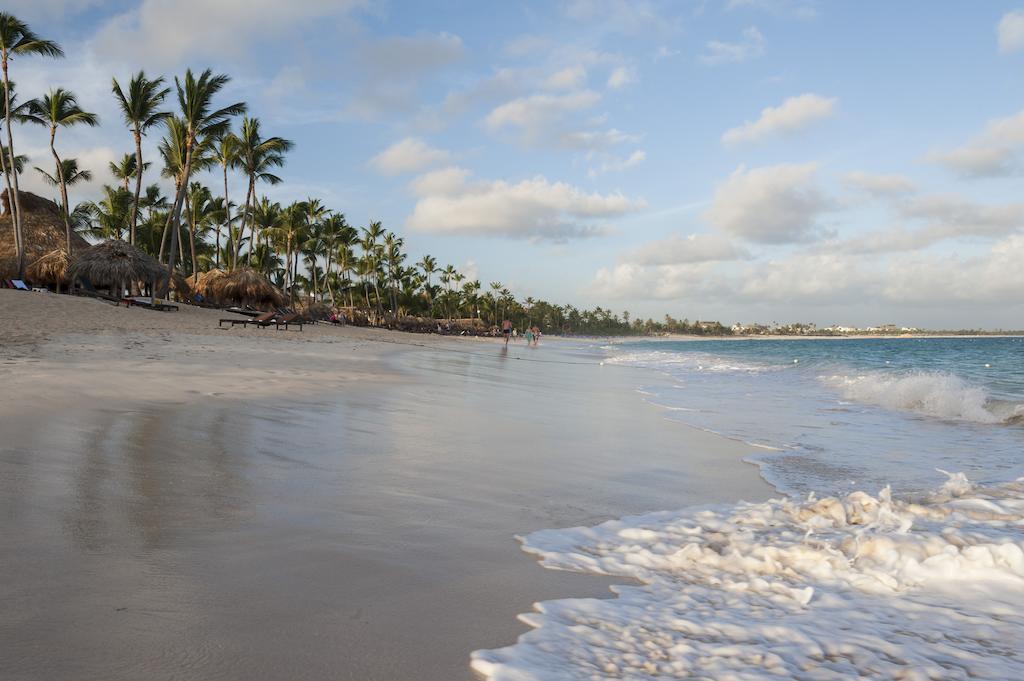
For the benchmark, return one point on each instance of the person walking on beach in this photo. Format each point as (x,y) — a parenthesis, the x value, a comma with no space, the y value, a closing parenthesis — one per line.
(506,330)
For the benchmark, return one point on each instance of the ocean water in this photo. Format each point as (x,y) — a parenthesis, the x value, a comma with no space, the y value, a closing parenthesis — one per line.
(895,549)
(836,415)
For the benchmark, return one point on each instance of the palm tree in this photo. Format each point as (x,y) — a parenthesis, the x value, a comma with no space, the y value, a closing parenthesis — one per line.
(141,110)
(69,170)
(112,214)
(204,211)
(257,157)
(371,249)
(18,114)
(268,217)
(59,109)
(202,123)
(394,257)
(429,266)
(17,40)
(225,154)
(124,170)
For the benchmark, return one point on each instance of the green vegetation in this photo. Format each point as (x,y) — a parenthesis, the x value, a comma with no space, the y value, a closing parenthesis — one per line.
(304,247)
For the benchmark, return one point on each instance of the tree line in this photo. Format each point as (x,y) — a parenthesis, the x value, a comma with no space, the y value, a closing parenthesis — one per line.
(304,247)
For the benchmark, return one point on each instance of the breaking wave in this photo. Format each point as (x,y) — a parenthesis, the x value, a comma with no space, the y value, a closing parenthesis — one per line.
(840,587)
(936,394)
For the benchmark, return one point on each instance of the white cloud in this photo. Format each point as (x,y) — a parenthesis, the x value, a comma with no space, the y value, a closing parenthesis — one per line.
(794,114)
(665,282)
(879,185)
(166,32)
(695,248)
(408,155)
(527,112)
(620,76)
(568,78)
(449,203)
(992,153)
(773,204)
(614,164)
(597,139)
(1011,31)
(750,46)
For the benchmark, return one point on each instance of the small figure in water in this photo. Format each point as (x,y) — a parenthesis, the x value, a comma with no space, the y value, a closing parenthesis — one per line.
(506,330)
(536,335)
(529,336)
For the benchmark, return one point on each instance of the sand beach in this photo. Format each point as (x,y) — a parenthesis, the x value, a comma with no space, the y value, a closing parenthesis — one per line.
(182,501)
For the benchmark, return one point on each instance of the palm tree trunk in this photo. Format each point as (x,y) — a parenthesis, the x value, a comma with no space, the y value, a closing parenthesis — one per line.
(10,199)
(191,236)
(227,214)
(175,217)
(63,187)
(251,199)
(16,203)
(138,185)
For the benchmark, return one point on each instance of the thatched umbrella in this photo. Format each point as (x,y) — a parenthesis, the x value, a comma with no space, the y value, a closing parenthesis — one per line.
(51,269)
(113,264)
(43,229)
(243,286)
(180,285)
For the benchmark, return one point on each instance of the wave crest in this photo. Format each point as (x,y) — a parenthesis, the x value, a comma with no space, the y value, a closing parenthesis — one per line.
(936,394)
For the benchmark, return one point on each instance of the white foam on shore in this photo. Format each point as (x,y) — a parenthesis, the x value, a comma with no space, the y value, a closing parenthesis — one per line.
(936,394)
(858,587)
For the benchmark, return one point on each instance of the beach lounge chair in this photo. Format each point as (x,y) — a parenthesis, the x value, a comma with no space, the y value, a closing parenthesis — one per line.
(263,320)
(20,285)
(292,319)
(151,304)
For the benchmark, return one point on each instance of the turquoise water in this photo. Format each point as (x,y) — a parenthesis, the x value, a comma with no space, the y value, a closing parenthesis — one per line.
(834,415)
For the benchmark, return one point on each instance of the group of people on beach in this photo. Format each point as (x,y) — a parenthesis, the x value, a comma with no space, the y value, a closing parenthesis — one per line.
(532,333)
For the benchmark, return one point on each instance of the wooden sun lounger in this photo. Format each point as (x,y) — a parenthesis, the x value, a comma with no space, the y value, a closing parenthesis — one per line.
(263,320)
(290,320)
(149,305)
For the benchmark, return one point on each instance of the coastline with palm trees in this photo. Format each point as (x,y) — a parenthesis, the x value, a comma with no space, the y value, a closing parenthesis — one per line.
(305,248)
(190,501)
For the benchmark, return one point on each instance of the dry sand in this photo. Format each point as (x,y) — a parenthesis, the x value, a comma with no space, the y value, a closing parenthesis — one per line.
(178,501)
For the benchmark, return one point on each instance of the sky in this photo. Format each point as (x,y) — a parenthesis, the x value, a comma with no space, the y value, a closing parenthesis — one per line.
(851,163)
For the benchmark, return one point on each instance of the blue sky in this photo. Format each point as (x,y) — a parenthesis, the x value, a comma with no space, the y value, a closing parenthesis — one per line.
(743,160)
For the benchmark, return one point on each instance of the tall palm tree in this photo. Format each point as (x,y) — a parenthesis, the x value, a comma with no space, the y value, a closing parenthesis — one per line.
(69,170)
(140,107)
(18,114)
(394,258)
(429,266)
(204,211)
(124,170)
(18,40)
(59,109)
(372,249)
(257,158)
(225,154)
(202,123)
(268,217)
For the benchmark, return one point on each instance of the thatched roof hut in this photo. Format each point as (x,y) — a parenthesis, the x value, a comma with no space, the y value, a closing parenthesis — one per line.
(243,286)
(51,269)
(180,284)
(115,263)
(43,229)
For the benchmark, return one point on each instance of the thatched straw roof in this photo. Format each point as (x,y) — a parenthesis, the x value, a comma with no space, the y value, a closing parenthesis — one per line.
(51,269)
(180,284)
(43,228)
(243,286)
(113,263)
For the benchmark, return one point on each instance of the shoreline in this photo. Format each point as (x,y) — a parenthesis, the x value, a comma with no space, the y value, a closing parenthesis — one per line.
(332,489)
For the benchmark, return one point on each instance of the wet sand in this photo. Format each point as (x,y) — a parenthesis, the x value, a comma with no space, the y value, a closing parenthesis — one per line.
(178,502)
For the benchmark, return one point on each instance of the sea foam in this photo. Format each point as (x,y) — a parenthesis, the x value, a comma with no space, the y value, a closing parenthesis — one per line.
(853,587)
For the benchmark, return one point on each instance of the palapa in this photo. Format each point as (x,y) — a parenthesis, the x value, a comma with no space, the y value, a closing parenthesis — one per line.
(114,264)
(43,230)
(243,286)
(51,269)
